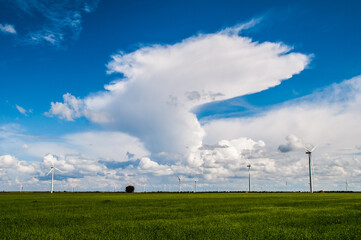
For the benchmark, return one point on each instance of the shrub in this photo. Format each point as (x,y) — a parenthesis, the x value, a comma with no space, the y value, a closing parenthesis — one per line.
(129,189)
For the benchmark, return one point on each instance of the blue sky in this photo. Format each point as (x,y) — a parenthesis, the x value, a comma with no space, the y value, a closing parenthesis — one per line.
(50,49)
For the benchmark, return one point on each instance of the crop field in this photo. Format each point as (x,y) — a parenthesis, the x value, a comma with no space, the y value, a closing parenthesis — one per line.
(180,216)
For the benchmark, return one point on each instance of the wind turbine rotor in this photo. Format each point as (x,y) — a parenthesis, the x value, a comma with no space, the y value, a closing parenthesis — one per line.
(50,171)
(314,148)
(58,169)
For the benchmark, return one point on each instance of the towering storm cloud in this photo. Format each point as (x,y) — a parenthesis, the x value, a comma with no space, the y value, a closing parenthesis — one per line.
(159,85)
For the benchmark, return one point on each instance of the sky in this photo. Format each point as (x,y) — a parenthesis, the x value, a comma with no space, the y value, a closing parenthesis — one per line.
(115,93)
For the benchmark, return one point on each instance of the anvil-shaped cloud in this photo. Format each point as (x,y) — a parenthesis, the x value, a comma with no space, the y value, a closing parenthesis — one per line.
(159,86)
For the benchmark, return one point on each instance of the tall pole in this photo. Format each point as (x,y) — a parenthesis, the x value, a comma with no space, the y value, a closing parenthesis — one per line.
(346,185)
(52,180)
(310,170)
(179,185)
(195,186)
(249,177)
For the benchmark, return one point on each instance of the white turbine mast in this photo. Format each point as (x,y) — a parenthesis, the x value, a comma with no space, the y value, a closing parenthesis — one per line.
(52,169)
(195,185)
(309,153)
(346,185)
(179,182)
(249,177)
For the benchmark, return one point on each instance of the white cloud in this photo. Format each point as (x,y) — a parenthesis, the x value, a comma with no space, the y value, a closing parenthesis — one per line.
(293,143)
(7,28)
(21,110)
(61,21)
(163,83)
(73,164)
(45,35)
(25,167)
(329,118)
(7,161)
(149,114)
(70,109)
(228,158)
(101,145)
(147,165)
(12,164)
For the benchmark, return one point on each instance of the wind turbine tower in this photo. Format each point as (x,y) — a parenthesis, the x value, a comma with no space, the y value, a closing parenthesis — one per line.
(195,185)
(309,153)
(52,169)
(346,185)
(249,177)
(179,186)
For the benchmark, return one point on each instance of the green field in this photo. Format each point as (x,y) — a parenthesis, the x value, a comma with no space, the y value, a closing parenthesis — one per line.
(180,216)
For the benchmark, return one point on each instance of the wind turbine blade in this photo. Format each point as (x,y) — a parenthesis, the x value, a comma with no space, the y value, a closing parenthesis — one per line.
(313,149)
(308,150)
(58,170)
(49,171)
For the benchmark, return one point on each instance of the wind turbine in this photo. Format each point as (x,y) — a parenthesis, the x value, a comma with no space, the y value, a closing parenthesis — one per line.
(249,177)
(309,152)
(195,185)
(346,185)
(179,187)
(52,169)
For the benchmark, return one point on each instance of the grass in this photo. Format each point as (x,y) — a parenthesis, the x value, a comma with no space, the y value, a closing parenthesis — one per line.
(180,216)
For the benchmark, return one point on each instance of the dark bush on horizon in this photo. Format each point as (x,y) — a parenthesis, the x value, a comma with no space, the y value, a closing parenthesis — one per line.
(129,189)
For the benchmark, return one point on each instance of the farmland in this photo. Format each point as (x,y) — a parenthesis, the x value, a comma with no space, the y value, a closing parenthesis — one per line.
(180,216)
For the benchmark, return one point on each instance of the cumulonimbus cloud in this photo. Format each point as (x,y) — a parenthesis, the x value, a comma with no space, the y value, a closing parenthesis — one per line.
(161,84)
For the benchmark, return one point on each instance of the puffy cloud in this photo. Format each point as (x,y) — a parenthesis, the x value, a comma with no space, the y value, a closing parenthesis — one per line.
(73,165)
(70,109)
(162,84)
(7,161)
(227,158)
(147,165)
(25,167)
(329,118)
(12,164)
(7,28)
(293,143)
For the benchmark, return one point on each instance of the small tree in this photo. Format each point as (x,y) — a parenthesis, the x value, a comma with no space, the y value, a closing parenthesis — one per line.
(129,189)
